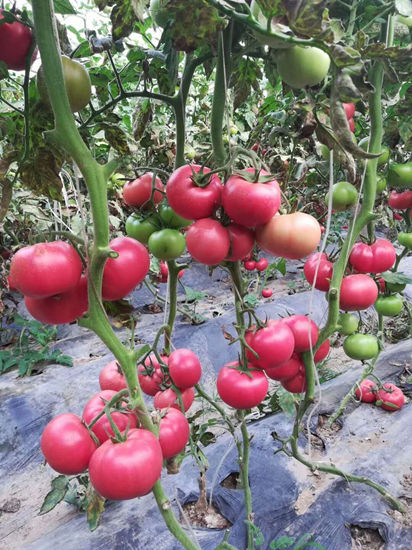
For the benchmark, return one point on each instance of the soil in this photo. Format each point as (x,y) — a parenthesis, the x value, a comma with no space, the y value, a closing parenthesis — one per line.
(209,518)
(406,500)
(366,539)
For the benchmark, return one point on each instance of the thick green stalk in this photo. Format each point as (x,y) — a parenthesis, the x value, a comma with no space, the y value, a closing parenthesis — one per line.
(173,280)
(244,470)
(219,103)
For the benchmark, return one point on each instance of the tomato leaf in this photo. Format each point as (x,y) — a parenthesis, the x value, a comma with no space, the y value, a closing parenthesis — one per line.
(400,278)
(60,486)
(286,401)
(281,543)
(95,508)
(63,7)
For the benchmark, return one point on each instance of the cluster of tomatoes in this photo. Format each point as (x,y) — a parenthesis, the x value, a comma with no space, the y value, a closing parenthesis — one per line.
(126,467)
(387,396)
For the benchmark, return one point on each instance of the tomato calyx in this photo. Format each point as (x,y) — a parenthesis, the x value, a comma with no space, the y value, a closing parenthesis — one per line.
(202,178)
(254,175)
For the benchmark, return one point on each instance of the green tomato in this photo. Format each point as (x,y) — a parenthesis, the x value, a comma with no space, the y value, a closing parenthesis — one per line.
(76,80)
(395,287)
(303,66)
(389,306)
(167,244)
(400,175)
(383,159)
(141,228)
(348,323)
(405,239)
(344,196)
(381,185)
(171,219)
(361,346)
(159,12)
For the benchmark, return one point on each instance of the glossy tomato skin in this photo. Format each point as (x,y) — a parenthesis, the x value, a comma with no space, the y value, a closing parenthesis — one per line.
(137,192)
(169,398)
(174,433)
(102,429)
(189,200)
(130,469)
(45,269)
(302,66)
(305,331)
(250,265)
(250,204)
(377,258)
(288,369)
(239,390)
(141,228)
(361,346)
(322,352)
(122,274)
(150,383)
(349,109)
(389,306)
(171,219)
(15,42)
(167,244)
(67,445)
(390,397)
(324,271)
(112,378)
(400,175)
(62,308)
(262,264)
(405,239)
(291,236)
(297,384)
(348,323)
(274,344)
(367,391)
(184,368)
(208,241)
(357,292)
(344,196)
(267,293)
(400,201)
(351,122)
(242,241)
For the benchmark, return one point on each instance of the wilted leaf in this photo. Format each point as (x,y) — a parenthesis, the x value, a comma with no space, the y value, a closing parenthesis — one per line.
(123,19)
(310,18)
(344,56)
(117,138)
(40,173)
(95,508)
(60,486)
(143,115)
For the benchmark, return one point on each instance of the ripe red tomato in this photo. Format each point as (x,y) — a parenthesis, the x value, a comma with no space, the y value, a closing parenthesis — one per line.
(240,390)
(297,384)
(67,445)
(274,344)
(251,203)
(208,241)
(322,352)
(188,199)
(357,292)
(292,236)
(288,369)
(15,43)
(242,241)
(102,428)
(130,469)
(111,377)
(349,109)
(150,382)
(169,398)
(400,201)
(351,123)
(174,433)
(324,273)
(62,308)
(390,397)
(184,368)
(122,274)
(267,292)
(45,269)
(300,326)
(377,258)
(367,391)
(250,265)
(137,192)
(262,264)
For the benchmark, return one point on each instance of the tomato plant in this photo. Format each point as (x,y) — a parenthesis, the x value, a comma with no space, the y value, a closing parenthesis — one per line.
(274,344)
(305,331)
(357,292)
(138,192)
(167,244)
(367,391)
(377,258)
(241,390)
(112,378)
(389,306)
(344,196)
(169,398)
(390,397)
(141,228)
(174,433)
(361,346)
(208,241)
(15,42)
(320,267)
(184,368)
(151,374)
(303,66)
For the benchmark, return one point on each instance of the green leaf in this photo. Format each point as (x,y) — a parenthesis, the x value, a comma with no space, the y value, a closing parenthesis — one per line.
(282,542)
(400,278)
(286,401)
(60,485)
(194,295)
(250,300)
(63,7)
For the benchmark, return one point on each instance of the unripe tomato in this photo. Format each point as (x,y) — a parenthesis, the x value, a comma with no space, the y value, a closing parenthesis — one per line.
(67,445)
(242,241)
(291,236)
(45,269)
(168,398)
(305,331)
(274,344)
(122,274)
(138,192)
(344,196)
(76,80)
(174,433)
(150,374)
(112,378)
(357,292)
(377,258)
(141,228)
(241,390)
(102,428)
(15,42)
(348,323)
(302,66)
(390,397)
(383,159)
(389,306)
(324,271)
(400,201)
(171,219)
(400,175)
(405,239)
(361,346)
(367,391)
(129,469)
(381,185)
(184,368)
(208,241)
(288,369)
(167,244)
